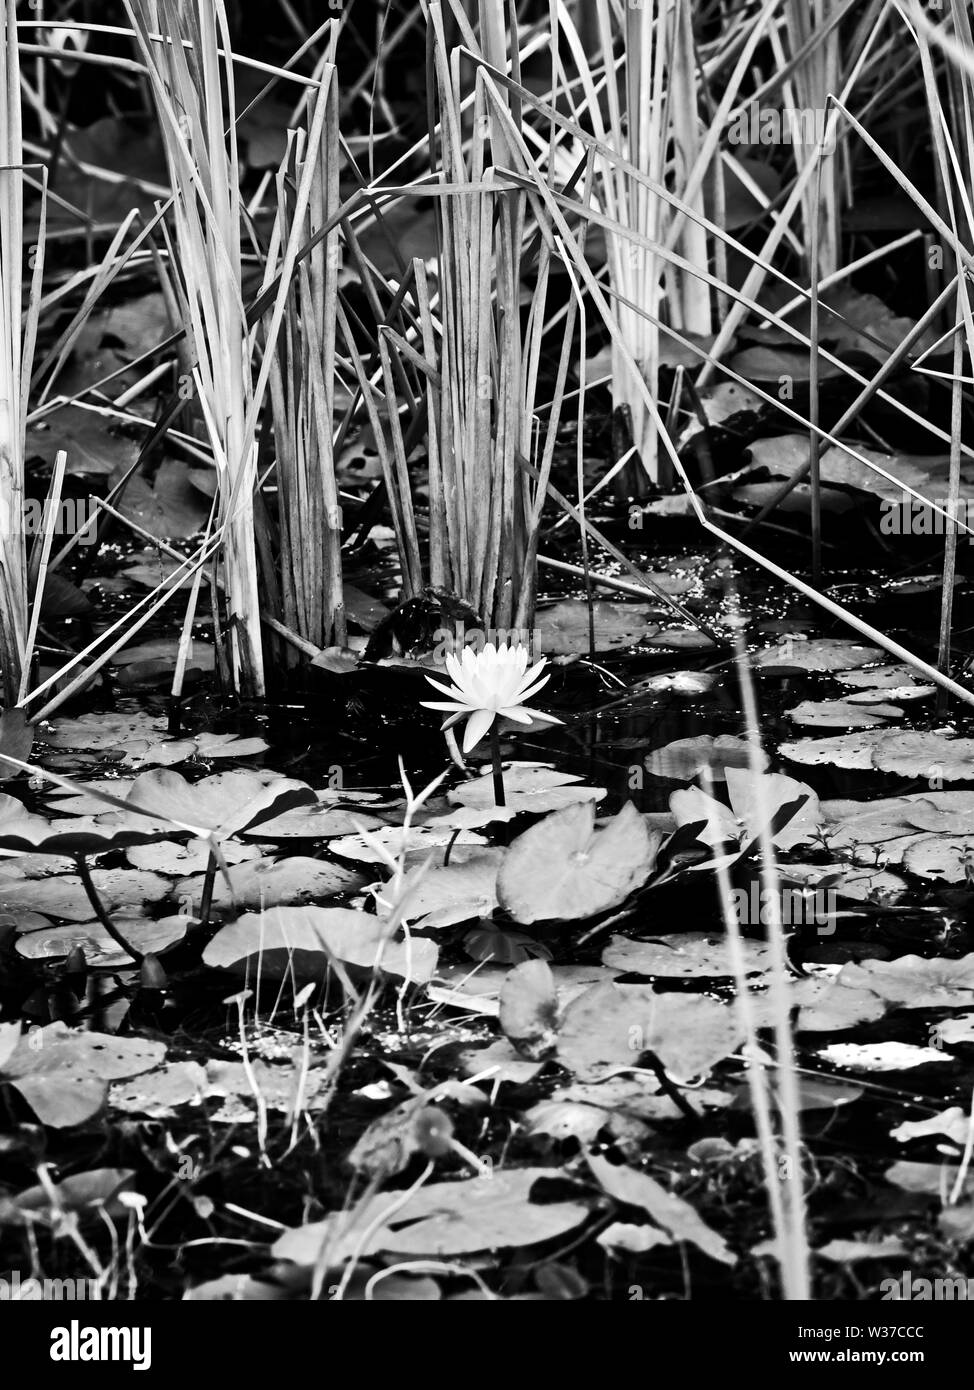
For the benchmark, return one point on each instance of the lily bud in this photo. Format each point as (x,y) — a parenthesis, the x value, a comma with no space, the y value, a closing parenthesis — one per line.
(152,975)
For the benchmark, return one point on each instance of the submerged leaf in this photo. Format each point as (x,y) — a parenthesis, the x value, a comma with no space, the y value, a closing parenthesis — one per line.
(489,942)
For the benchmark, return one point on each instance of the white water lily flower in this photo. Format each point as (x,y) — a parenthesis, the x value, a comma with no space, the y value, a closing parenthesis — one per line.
(486,685)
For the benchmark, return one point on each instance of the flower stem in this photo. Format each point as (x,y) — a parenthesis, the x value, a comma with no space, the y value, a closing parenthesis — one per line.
(498,772)
(84,873)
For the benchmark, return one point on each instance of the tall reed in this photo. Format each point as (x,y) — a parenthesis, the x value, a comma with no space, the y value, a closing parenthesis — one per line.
(777,1089)
(302,380)
(193,90)
(15,365)
(949,87)
(640,100)
(478,361)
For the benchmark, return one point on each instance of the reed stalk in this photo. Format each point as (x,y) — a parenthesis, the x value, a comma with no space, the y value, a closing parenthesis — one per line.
(193,92)
(16,351)
(302,382)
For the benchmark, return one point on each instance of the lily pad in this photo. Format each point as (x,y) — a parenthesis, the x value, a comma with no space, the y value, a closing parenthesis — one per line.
(929,1179)
(953,1123)
(831,1006)
(819,654)
(63,1073)
(169,506)
(899,694)
(896,677)
(320,820)
(534,788)
(62,895)
(685,758)
(529,1007)
(951,1032)
(420,839)
(630,1239)
(914,982)
(682,639)
(788,809)
(224,804)
(94,447)
(455,893)
(138,739)
(932,755)
(498,1063)
(25,833)
(161,1092)
(448,1219)
(845,1252)
(565,868)
(272,882)
(170,857)
(895,822)
(633,1188)
(853,751)
(684,955)
(609,1027)
(89,1196)
(843,714)
(861,884)
(311,937)
(950,858)
(881,1056)
(101,950)
(680,683)
(564,629)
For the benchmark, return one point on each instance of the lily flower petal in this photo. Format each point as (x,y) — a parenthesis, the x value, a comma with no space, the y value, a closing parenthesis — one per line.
(477,725)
